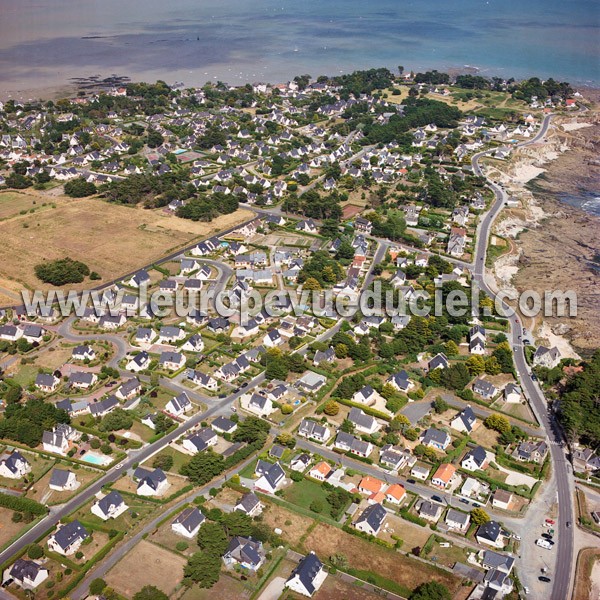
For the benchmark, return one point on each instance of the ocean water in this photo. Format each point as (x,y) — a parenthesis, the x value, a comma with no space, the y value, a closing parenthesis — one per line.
(45,42)
(587,200)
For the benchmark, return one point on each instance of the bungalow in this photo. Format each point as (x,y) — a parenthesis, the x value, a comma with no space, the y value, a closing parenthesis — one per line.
(171,361)
(512,393)
(363,422)
(151,483)
(14,465)
(431,511)
(129,389)
(395,493)
(249,504)
(484,388)
(272,477)
(546,357)
(68,538)
(246,552)
(490,533)
(272,338)
(188,522)
(312,430)
(464,420)
(370,485)
(475,459)
(457,520)
(435,438)
(110,506)
(82,380)
(27,574)
(83,353)
(308,576)
(62,480)
(200,440)
(179,405)
(501,499)
(55,442)
(320,471)
(477,340)
(300,462)
(443,476)
(349,443)
(400,381)
(371,519)
(224,425)
(202,379)
(258,405)
(311,382)
(47,382)
(139,362)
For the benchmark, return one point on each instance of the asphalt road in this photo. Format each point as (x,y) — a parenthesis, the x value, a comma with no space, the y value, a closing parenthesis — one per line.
(561,584)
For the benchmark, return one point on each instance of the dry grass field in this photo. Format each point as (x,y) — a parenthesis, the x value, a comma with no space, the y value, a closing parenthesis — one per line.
(111,239)
(163,569)
(292,525)
(334,588)
(8,529)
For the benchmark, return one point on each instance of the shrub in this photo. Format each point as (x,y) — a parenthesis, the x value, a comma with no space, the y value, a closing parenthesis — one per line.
(62,271)
(181,546)
(35,551)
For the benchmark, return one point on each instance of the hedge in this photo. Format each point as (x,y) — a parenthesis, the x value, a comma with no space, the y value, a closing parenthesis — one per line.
(366,409)
(412,518)
(21,504)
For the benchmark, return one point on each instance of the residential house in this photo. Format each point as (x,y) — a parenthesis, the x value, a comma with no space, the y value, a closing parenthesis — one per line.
(14,465)
(362,422)
(512,393)
(439,361)
(103,407)
(202,379)
(224,425)
(47,382)
(55,442)
(139,362)
(151,483)
(477,340)
(300,462)
(249,504)
(395,493)
(82,380)
(246,552)
(484,388)
(194,344)
(475,459)
(585,460)
(179,405)
(431,511)
(371,519)
(188,522)
(129,389)
(272,477)
(83,353)
(200,440)
(546,357)
(349,443)
(435,438)
(501,499)
(171,361)
(110,506)
(531,452)
(400,381)
(313,430)
(370,485)
(256,404)
(464,420)
(320,471)
(420,472)
(495,560)
(311,382)
(170,335)
(444,476)
(366,395)
(68,538)
(308,576)
(490,533)
(457,520)
(62,480)
(27,574)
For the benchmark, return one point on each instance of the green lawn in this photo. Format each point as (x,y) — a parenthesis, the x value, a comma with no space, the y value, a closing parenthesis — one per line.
(304,492)
(179,459)
(26,375)
(137,511)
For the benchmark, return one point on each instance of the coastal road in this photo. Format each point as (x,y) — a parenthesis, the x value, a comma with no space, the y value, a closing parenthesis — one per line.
(561,584)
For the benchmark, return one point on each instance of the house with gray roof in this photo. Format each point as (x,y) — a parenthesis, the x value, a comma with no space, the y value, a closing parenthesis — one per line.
(371,519)
(308,576)
(246,552)
(62,480)
(188,522)
(68,538)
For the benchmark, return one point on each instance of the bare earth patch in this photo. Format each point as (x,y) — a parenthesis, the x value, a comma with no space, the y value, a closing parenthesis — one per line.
(163,569)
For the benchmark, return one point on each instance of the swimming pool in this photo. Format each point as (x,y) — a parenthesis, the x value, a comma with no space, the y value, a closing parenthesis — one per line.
(95,459)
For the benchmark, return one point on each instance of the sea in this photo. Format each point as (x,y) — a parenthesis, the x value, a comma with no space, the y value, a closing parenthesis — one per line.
(46,43)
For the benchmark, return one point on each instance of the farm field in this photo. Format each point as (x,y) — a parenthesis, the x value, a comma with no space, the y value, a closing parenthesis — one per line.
(111,239)
(226,587)
(165,570)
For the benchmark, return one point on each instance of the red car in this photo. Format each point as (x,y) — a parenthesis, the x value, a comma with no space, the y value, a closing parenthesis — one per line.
(551,521)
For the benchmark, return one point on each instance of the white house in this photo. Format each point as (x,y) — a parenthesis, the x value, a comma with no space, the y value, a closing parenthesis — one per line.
(151,483)
(249,504)
(257,404)
(188,522)
(110,506)
(371,519)
(512,393)
(14,465)
(62,480)
(139,362)
(56,442)
(27,574)
(272,477)
(546,357)
(179,405)
(68,538)
(308,576)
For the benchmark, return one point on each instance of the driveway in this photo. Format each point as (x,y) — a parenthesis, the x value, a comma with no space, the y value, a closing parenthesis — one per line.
(273,590)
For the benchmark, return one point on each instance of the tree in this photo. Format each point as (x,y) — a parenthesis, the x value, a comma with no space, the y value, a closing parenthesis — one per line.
(479,516)
(115,420)
(451,348)
(237,523)
(35,551)
(331,408)
(498,423)
(203,467)
(62,271)
(150,592)
(492,366)
(475,365)
(203,569)
(79,188)
(312,284)
(154,138)
(341,351)
(97,586)
(456,377)
(440,405)
(163,461)
(432,590)
(212,539)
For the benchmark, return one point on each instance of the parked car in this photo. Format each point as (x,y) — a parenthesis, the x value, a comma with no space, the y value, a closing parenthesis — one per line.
(544,579)
(464,501)
(410,481)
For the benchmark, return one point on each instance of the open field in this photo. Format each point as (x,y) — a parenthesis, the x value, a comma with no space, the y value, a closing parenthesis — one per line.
(365,556)
(292,525)
(587,584)
(8,529)
(111,239)
(163,570)
(226,587)
(14,203)
(334,588)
